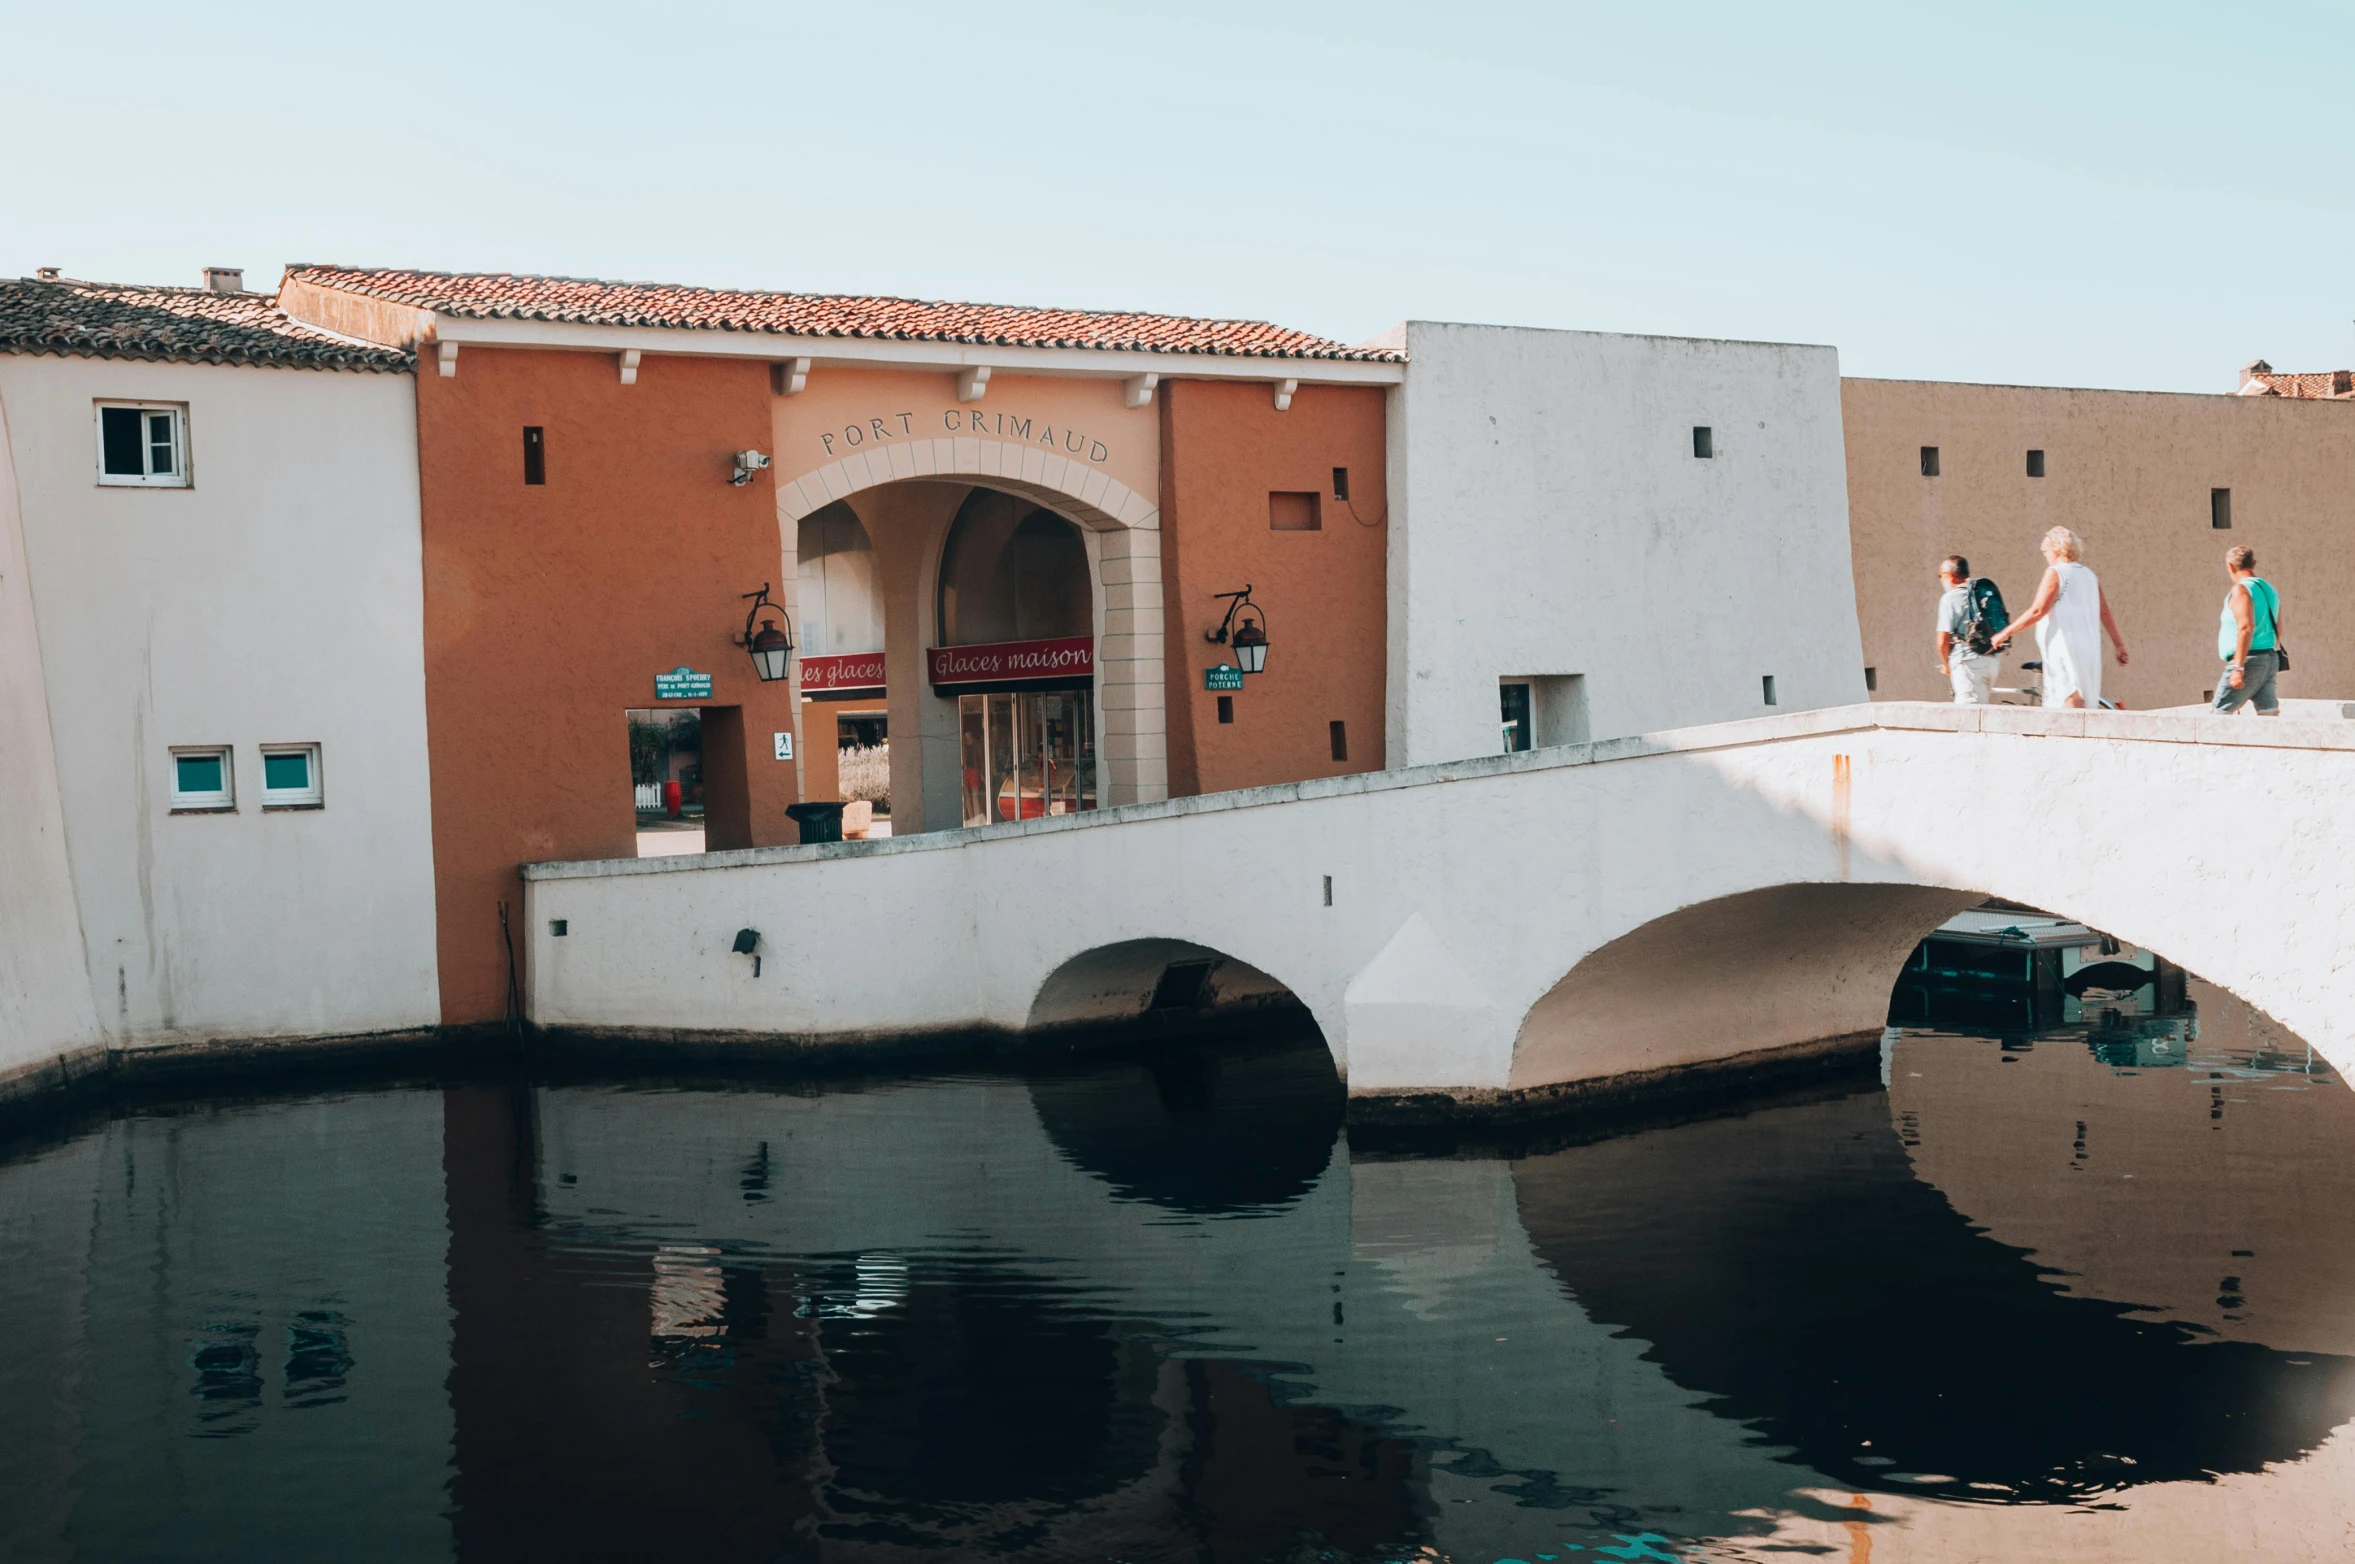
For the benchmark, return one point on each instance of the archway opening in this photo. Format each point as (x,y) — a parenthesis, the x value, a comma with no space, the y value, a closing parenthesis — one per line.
(1016,617)
(845,719)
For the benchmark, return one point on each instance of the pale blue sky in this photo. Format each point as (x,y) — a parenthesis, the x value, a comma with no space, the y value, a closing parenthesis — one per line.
(2117,195)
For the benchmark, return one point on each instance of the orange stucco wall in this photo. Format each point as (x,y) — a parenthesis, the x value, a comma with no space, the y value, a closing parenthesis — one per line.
(549,609)
(1224,449)
(2130,473)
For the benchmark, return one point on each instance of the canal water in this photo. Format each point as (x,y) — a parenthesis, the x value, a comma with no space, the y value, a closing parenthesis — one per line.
(2087,1294)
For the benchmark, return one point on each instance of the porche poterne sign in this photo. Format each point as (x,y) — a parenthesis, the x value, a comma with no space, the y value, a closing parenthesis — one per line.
(1011,662)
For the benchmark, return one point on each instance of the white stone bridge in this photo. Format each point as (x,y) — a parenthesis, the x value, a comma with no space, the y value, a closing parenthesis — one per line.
(1508,929)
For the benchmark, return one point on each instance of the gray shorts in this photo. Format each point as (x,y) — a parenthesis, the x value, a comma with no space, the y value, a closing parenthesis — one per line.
(2256,685)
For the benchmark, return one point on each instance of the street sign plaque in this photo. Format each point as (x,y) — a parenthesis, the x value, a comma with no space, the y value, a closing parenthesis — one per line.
(682,684)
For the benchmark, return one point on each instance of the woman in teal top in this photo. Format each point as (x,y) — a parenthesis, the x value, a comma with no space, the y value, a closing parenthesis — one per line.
(2248,636)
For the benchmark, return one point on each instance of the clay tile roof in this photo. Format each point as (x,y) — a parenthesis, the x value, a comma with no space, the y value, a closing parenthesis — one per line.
(2331,385)
(186,325)
(586,301)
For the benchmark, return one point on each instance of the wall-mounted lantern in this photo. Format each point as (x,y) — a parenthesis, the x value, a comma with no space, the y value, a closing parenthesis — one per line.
(770,642)
(1249,638)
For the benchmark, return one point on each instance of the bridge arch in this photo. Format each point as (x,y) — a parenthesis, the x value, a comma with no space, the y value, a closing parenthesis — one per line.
(1783,966)
(1170,984)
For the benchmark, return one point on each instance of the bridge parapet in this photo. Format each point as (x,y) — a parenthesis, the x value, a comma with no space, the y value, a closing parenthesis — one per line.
(1624,911)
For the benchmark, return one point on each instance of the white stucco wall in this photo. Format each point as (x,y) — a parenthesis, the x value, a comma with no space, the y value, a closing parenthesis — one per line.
(45,1007)
(1548,517)
(278,599)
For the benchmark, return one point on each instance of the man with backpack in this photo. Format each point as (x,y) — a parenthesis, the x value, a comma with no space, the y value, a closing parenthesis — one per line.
(1969,614)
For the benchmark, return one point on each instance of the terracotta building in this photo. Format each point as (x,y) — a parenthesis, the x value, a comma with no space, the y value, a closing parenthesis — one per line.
(1005,532)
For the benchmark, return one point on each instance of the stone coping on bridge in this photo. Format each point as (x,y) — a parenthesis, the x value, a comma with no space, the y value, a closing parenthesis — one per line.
(2179,726)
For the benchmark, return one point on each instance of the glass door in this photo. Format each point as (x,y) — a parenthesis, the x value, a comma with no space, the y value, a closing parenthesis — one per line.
(1026,754)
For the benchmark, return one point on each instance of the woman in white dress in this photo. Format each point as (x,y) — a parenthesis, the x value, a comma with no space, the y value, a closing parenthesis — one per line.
(2070,613)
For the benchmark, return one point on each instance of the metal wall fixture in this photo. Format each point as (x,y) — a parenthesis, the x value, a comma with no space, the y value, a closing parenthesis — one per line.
(770,643)
(748,463)
(1249,638)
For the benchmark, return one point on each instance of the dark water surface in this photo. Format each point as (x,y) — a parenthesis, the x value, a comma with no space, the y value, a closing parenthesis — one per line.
(2090,1295)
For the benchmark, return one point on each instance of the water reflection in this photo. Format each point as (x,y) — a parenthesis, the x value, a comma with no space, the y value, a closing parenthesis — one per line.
(2079,1293)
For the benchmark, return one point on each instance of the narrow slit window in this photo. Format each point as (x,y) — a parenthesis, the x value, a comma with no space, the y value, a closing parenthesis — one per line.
(2220,509)
(1341,485)
(1704,442)
(535,454)
(1929,461)
(1767,685)
(2035,464)
(1340,731)
(1226,708)
(1872,680)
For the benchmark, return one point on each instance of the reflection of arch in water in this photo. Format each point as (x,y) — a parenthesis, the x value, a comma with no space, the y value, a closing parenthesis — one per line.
(1787,1264)
(1198,1129)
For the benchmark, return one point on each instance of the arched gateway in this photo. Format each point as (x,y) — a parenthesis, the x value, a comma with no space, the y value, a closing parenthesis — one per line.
(1122,545)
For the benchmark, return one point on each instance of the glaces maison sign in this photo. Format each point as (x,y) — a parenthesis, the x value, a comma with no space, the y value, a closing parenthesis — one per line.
(1011,662)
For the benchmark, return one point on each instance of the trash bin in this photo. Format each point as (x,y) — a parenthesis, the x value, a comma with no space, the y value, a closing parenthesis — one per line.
(819,821)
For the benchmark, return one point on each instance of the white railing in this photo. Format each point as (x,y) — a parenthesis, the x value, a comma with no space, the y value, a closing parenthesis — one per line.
(650,795)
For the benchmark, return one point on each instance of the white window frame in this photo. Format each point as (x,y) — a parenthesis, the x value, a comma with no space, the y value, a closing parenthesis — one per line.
(224,801)
(147,478)
(311,797)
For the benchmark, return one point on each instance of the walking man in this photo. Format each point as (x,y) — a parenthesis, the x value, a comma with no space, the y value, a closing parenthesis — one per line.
(2248,637)
(1969,614)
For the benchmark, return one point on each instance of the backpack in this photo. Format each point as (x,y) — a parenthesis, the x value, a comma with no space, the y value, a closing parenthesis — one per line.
(1983,616)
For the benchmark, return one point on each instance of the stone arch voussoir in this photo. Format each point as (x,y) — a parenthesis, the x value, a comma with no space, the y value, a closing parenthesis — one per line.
(1088,495)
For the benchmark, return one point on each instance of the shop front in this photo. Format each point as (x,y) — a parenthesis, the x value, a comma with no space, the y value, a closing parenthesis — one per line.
(1018,655)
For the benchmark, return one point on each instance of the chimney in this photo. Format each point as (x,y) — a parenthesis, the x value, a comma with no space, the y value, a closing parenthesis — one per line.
(2251,370)
(46,273)
(225,279)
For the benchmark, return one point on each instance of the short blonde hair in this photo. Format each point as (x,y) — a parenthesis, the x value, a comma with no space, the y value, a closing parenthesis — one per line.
(2061,541)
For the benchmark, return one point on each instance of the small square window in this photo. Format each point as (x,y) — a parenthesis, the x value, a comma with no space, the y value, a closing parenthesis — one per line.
(1929,461)
(1294,512)
(1704,442)
(2035,464)
(290,776)
(142,446)
(203,778)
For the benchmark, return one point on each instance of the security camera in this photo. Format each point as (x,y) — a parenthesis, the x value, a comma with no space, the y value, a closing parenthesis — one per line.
(747,463)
